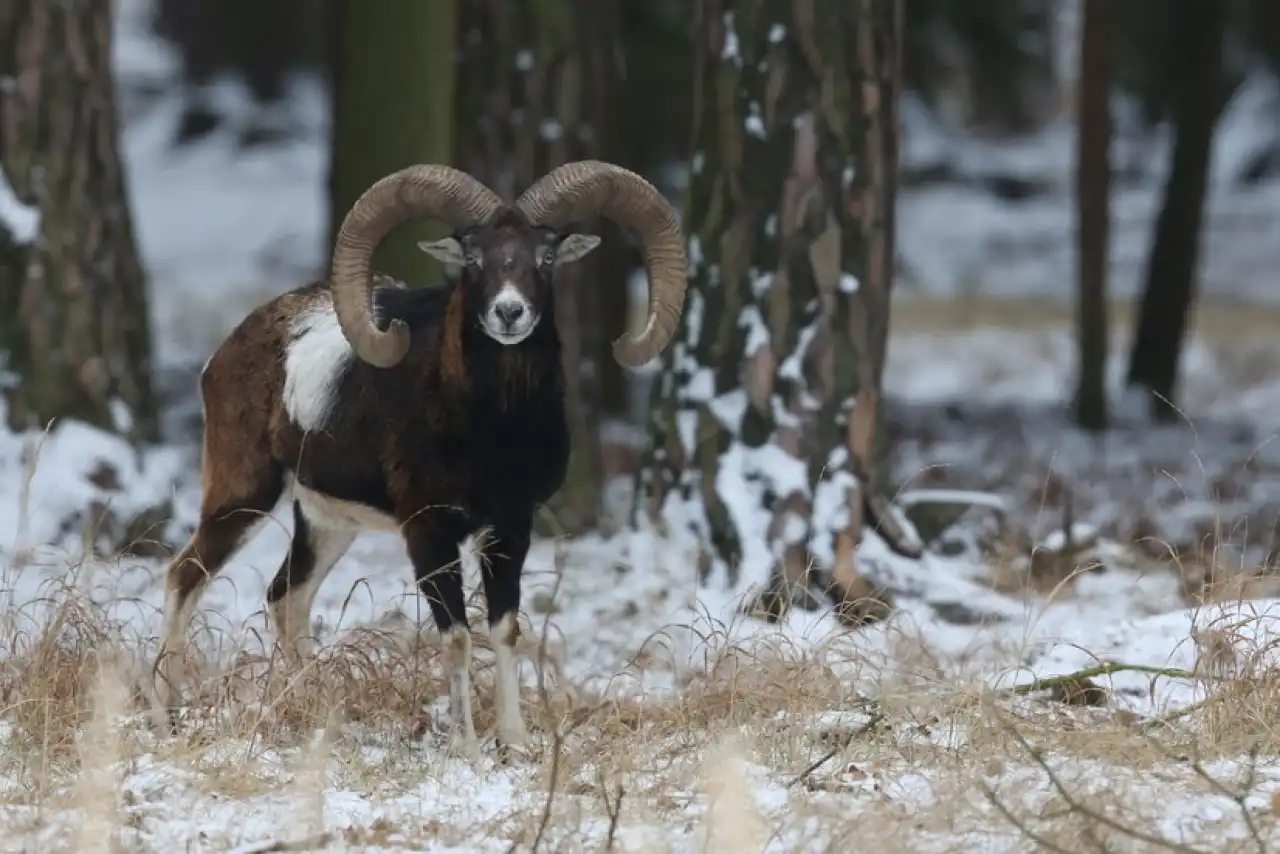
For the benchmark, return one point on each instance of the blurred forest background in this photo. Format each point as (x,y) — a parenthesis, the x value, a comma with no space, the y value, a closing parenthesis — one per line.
(976,159)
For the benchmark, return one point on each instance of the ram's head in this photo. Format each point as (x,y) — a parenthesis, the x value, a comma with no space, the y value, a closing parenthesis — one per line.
(512,250)
(508,265)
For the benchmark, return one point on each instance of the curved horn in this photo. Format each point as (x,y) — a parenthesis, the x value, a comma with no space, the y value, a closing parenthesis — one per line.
(438,192)
(588,188)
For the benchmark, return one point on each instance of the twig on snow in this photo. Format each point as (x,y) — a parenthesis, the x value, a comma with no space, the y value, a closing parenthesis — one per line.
(1075,806)
(557,735)
(1239,796)
(875,719)
(557,747)
(612,808)
(1178,714)
(814,766)
(1020,825)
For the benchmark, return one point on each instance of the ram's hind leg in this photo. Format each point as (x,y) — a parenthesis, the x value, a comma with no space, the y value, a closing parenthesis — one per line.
(316,547)
(225,524)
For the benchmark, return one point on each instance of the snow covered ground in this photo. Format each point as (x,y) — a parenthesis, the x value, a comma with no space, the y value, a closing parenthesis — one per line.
(665,721)
(706,723)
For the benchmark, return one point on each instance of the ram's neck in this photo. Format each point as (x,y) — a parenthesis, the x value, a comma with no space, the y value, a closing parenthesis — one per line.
(509,378)
(493,378)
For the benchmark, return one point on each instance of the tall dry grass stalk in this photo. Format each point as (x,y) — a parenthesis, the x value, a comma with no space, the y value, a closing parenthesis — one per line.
(96,792)
(311,784)
(732,824)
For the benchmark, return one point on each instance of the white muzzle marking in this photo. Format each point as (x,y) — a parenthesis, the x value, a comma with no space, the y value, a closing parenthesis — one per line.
(509,318)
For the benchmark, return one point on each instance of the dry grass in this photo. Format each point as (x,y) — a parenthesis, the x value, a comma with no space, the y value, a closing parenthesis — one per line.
(932,762)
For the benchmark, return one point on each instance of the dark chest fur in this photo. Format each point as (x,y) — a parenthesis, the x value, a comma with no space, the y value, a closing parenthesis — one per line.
(513,430)
(497,443)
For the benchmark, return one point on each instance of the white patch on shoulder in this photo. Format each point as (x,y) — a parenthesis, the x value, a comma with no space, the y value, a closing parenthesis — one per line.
(314,364)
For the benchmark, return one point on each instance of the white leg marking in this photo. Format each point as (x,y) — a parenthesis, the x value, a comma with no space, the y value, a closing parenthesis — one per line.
(173,646)
(292,613)
(314,363)
(337,514)
(177,622)
(511,730)
(458,661)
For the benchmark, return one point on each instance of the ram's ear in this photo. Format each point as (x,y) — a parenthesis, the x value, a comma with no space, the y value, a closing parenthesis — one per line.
(574,247)
(447,250)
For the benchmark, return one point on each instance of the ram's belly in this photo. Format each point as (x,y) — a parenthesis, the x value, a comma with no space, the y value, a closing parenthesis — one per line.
(329,512)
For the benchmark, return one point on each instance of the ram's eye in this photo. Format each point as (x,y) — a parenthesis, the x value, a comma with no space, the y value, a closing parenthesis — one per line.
(548,256)
(472,260)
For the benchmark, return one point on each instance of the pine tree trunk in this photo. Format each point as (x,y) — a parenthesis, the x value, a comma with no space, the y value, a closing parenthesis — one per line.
(1175,249)
(75,336)
(1093,209)
(537,89)
(392,108)
(767,417)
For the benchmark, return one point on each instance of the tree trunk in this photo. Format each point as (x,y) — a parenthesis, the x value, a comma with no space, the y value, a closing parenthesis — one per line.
(393,102)
(1175,249)
(767,417)
(75,337)
(1093,210)
(263,41)
(537,89)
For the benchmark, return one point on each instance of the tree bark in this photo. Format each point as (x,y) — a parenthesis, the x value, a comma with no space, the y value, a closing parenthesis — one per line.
(75,337)
(1093,210)
(767,415)
(537,89)
(392,107)
(1175,249)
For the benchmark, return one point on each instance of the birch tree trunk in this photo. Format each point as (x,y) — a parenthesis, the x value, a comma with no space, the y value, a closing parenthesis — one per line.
(537,88)
(393,96)
(767,415)
(75,336)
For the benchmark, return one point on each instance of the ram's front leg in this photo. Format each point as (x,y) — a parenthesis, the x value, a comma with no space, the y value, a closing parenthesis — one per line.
(432,539)
(501,569)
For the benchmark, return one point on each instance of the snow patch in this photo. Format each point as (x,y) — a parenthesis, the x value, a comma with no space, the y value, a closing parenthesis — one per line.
(20,220)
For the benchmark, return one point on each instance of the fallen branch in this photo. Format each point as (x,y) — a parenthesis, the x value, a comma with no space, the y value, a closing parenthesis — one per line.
(1106,668)
(311,843)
